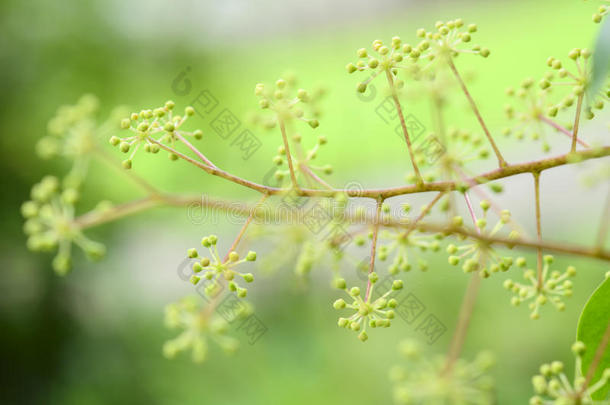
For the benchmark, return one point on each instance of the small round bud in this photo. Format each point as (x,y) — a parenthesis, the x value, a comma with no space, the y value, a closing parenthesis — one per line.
(351,68)
(192,253)
(339,304)
(189,111)
(233,256)
(125,123)
(578,348)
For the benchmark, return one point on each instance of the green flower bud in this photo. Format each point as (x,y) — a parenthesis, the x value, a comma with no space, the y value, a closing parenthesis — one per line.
(351,68)
(339,304)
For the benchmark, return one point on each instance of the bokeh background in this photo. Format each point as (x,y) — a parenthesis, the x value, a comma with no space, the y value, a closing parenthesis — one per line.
(95,337)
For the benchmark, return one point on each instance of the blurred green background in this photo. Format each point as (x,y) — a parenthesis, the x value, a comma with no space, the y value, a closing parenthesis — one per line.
(95,336)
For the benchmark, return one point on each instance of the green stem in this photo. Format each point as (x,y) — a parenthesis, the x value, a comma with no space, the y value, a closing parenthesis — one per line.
(475,109)
(576,123)
(538,226)
(403,125)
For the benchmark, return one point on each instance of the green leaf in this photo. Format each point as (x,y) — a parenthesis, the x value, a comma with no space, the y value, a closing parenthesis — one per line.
(592,325)
(601,59)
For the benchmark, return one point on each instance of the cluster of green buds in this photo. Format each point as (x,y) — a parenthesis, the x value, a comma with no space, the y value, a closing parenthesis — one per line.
(450,39)
(151,128)
(215,268)
(577,81)
(198,327)
(552,386)
(460,148)
(386,58)
(533,103)
(301,160)
(479,255)
(376,313)
(50,224)
(425,380)
(602,11)
(288,103)
(72,131)
(446,42)
(551,287)
(400,245)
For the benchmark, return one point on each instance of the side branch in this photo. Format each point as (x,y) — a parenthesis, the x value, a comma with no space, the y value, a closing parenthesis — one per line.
(502,172)
(475,109)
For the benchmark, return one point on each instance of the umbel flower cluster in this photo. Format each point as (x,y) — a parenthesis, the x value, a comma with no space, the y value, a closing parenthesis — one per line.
(152,129)
(198,328)
(216,268)
(549,288)
(288,103)
(50,224)
(449,40)
(552,386)
(479,255)
(427,380)
(375,313)
(567,86)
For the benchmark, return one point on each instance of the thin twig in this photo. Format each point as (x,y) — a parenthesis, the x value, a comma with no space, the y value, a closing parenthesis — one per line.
(475,109)
(373,247)
(403,125)
(561,129)
(94,218)
(459,336)
(194,149)
(576,122)
(538,227)
(293,177)
(506,171)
